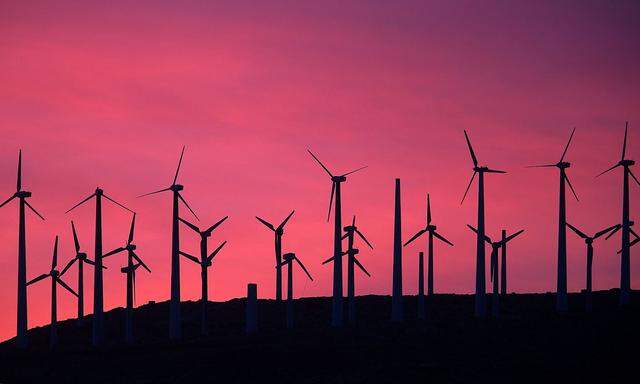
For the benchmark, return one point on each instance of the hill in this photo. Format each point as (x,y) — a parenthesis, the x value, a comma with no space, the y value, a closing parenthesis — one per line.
(528,343)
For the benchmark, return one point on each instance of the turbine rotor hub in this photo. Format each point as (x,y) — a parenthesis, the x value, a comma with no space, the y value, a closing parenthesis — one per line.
(99,192)
(349,228)
(338,179)
(176,187)
(431,227)
(23,194)
(54,273)
(563,165)
(627,163)
(81,256)
(589,240)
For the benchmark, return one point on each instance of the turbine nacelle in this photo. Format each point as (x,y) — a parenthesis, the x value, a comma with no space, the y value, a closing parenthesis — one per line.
(288,256)
(338,179)
(23,194)
(81,256)
(131,247)
(207,263)
(54,273)
(99,192)
(350,228)
(176,187)
(279,231)
(588,240)
(626,163)
(563,165)
(431,228)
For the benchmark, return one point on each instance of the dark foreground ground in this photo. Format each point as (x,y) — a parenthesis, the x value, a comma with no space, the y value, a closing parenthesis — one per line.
(528,343)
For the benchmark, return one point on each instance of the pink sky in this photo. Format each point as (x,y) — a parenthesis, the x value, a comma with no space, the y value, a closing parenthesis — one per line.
(106,95)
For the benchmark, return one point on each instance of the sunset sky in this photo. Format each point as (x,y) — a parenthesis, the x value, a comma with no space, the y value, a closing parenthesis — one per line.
(106,95)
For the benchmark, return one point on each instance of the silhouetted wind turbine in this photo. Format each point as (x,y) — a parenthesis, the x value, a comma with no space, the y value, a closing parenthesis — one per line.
(204,262)
(561,296)
(133,263)
(625,259)
(352,261)
(175,330)
(98,299)
(336,313)
(495,246)
(55,280)
(81,258)
(431,229)
(288,259)
(22,195)
(278,231)
(589,242)
(480,305)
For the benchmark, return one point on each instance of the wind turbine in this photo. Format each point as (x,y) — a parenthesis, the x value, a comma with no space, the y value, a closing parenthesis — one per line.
(133,263)
(588,240)
(431,230)
(480,305)
(352,261)
(81,258)
(22,195)
(561,296)
(204,262)
(278,231)
(625,259)
(288,259)
(336,313)
(98,300)
(55,280)
(175,330)
(495,247)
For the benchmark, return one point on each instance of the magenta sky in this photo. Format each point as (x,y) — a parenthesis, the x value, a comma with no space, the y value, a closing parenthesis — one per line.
(105,96)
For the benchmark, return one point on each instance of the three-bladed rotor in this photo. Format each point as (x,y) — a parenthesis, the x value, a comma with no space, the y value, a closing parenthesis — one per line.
(289,258)
(54,273)
(335,179)
(496,245)
(20,193)
(428,228)
(174,187)
(626,163)
(476,167)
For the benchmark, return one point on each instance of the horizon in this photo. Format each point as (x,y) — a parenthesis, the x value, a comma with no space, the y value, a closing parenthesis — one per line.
(100,97)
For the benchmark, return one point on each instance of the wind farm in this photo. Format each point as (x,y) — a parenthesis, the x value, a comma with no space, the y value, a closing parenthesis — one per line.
(479,162)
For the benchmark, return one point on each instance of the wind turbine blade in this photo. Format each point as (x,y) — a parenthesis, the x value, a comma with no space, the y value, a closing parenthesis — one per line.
(328,260)
(598,234)
(188,224)
(214,226)
(436,234)
(353,221)
(420,232)
(634,233)
(616,229)
(33,209)
(69,264)
(7,201)
(285,220)
(571,187)
(624,145)
(54,260)
(577,231)
(610,169)
(19,181)
(468,186)
(486,238)
(542,166)
(117,250)
(154,192)
(91,262)
(567,146)
(319,162)
(266,223)
(494,252)
(333,190)
(65,286)
(76,242)
(135,256)
(43,276)
(133,227)
(303,267)
(175,178)
(80,203)
(473,155)
(511,237)
(188,207)
(361,266)
(355,170)
(364,238)
(494,171)
(214,253)
(634,177)
(190,257)
(428,210)
(116,203)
